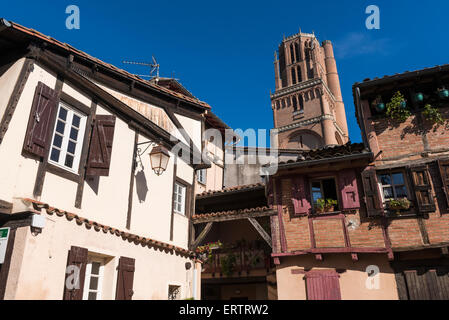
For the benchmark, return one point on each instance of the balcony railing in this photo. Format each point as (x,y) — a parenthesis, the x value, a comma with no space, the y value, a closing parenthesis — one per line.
(237,261)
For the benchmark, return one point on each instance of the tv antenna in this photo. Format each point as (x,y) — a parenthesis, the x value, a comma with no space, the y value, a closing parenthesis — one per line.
(154,68)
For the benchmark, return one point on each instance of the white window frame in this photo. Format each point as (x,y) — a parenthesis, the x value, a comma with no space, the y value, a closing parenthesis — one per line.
(66,138)
(202,176)
(176,202)
(88,276)
(392,185)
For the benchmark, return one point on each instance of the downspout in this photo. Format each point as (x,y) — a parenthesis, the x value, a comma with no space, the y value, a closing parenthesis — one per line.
(362,122)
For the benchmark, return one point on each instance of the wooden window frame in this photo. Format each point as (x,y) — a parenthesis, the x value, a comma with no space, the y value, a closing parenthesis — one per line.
(381,186)
(88,277)
(188,194)
(320,179)
(66,138)
(204,180)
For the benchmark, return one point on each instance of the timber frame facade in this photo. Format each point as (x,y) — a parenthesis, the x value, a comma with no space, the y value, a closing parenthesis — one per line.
(72,122)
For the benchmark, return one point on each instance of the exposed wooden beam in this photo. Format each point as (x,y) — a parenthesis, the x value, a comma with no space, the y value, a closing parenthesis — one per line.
(202,235)
(261,231)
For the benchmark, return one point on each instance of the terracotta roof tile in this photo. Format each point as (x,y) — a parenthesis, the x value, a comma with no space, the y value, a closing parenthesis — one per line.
(97,227)
(231,212)
(231,189)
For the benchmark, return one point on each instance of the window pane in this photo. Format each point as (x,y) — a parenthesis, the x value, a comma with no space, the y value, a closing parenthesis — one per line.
(74,134)
(62,114)
(76,121)
(388,193)
(68,161)
(71,147)
(92,296)
(93,283)
(401,192)
(316,196)
(54,155)
(385,179)
(57,142)
(316,186)
(60,127)
(95,268)
(398,178)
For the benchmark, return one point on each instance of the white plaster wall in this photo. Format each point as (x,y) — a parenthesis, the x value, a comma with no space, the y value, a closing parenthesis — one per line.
(193,128)
(7,83)
(17,173)
(44,278)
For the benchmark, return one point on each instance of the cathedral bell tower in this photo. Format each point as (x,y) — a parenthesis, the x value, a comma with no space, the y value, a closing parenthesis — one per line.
(307,105)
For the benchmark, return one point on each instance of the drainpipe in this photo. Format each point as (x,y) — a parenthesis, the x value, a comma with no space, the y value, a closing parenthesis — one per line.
(362,118)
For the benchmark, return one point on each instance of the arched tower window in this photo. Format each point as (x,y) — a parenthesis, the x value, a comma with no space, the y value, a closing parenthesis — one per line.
(298,51)
(301,102)
(293,76)
(298,70)
(292,53)
(295,104)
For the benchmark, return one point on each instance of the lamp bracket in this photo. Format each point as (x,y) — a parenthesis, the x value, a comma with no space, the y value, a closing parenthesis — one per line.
(140,152)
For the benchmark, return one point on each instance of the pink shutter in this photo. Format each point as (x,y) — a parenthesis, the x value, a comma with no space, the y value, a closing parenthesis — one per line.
(323,285)
(348,188)
(300,199)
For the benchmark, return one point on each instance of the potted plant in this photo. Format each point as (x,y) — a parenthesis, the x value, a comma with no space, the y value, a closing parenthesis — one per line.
(330,205)
(397,108)
(443,93)
(378,104)
(325,205)
(319,205)
(432,114)
(399,205)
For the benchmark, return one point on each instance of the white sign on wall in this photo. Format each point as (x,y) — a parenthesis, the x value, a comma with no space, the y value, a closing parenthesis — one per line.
(4,236)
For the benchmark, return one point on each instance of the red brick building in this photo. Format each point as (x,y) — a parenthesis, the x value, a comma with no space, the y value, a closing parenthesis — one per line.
(369,242)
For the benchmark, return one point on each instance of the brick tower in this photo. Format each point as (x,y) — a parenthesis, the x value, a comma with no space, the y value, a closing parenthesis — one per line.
(307,105)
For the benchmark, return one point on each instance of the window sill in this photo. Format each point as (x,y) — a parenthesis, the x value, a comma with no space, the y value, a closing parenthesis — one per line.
(63,173)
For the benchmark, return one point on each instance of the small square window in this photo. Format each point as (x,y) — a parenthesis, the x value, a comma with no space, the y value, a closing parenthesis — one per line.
(392,186)
(174,292)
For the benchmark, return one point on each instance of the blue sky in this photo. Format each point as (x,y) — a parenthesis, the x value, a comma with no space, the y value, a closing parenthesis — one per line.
(222,51)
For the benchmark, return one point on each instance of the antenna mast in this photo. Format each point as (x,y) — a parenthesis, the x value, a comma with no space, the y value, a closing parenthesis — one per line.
(154,68)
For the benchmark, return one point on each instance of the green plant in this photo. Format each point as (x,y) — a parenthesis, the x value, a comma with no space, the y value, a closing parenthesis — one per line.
(433,114)
(399,204)
(325,205)
(227,264)
(396,108)
(207,249)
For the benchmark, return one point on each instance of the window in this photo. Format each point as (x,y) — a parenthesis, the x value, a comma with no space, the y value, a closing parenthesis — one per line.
(392,186)
(67,138)
(93,280)
(174,292)
(202,176)
(323,189)
(179,199)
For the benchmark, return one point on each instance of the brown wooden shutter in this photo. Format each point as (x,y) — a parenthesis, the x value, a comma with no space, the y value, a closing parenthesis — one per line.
(424,283)
(300,195)
(42,115)
(372,197)
(101,142)
(125,279)
(444,171)
(77,257)
(347,182)
(423,189)
(323,285)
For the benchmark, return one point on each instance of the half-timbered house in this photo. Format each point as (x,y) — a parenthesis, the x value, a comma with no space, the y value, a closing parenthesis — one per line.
(90,214)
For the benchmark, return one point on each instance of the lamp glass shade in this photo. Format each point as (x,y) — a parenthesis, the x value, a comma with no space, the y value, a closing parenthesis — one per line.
(159,158)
